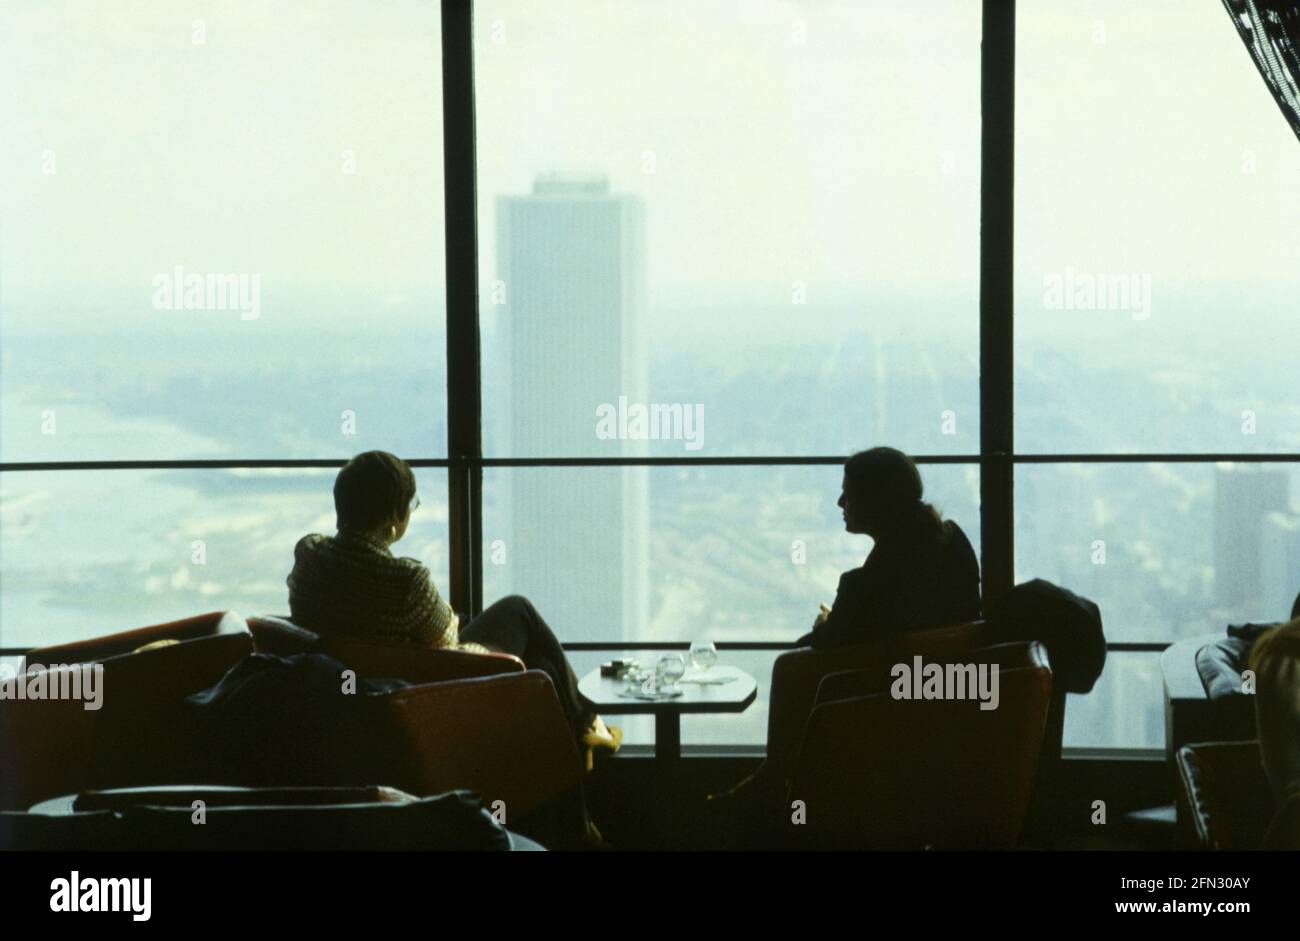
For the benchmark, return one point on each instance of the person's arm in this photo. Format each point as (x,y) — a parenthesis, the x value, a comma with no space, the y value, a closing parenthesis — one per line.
(846,621)
(437,625)
(823,613)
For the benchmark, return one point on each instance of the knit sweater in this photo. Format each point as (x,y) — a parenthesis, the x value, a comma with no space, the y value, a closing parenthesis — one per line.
(352,584)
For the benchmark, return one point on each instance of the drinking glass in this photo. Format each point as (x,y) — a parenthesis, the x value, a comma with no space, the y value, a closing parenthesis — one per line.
(703,655)
(632,679)
(672,666)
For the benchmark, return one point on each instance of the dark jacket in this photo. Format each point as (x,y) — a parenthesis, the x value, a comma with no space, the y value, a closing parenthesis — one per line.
(904,587)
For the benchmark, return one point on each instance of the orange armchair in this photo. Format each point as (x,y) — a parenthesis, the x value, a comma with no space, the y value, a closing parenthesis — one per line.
(504,737)
(48,744)
(476,721)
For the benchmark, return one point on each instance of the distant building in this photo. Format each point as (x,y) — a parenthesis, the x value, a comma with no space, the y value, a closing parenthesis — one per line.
(1279,563)
(570,258)
(1245,495)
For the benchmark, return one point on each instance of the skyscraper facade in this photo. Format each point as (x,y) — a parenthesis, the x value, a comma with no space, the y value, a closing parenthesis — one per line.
(570,264)
(1244,497)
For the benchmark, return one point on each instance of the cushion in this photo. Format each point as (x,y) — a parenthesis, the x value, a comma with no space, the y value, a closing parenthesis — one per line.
(281,637)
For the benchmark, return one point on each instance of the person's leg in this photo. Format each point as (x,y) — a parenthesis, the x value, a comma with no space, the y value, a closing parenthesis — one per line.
(512,625)
(501,627)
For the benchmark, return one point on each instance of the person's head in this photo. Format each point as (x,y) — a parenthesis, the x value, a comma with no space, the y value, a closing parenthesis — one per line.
(882,494)
(374,493)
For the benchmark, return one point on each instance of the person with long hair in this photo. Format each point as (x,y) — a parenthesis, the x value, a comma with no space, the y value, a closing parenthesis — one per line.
(922,571)
(351,583)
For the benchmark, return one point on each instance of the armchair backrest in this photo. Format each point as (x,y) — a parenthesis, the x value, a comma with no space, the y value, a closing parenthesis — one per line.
(879,772)
(49,744)
(503,736)
(797,674)
(98,649)
(371,658)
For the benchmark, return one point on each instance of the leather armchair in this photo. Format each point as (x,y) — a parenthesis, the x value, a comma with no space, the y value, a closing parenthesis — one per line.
(1224,799)
(48,744)
(503,736)
(875,772)
(797,674)
(477,721)
(1202,689)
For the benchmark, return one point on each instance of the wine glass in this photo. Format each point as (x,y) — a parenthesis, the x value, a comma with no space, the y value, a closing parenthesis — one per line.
(703,655)
(672,666)
(632,679)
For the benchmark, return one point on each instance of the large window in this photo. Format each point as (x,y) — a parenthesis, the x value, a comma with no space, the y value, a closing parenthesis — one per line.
(1157,229)
(768,211)
(732,212)
(221,235)
(715,248)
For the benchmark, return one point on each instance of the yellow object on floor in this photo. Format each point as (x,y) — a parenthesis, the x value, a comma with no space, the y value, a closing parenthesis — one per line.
(600,735)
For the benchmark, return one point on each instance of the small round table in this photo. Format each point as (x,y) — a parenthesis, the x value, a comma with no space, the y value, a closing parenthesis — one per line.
(603,693)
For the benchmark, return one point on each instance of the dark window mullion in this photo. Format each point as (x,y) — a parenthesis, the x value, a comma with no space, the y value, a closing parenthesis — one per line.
(464,396)
(997,203)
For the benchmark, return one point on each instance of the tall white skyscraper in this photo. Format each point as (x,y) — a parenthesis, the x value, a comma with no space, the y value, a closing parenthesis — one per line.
(570,261)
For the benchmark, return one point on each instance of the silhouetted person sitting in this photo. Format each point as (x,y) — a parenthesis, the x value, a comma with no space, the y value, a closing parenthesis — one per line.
(921,573)
(352,584)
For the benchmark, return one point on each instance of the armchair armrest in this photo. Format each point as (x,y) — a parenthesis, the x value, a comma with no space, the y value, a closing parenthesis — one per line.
(416,664)
(1224,797)
(1190,714)
(849,684)
(504,737)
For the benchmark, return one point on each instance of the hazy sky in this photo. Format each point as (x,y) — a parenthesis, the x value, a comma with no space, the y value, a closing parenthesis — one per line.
(226,155)
(831,142)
